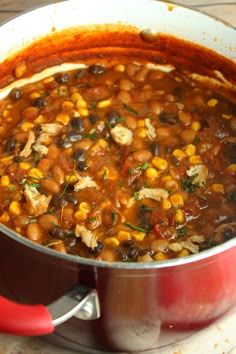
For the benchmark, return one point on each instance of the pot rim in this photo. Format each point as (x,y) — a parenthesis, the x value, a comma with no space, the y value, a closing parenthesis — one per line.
(193,258)
(216,250)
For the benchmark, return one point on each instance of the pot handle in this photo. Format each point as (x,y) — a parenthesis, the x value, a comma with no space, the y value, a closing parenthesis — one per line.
(34,320)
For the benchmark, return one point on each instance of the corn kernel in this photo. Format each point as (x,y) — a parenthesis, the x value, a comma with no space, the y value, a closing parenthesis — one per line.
(141,123)
(231,168)
(119,67)
(83,112)
(5,113)
(63,118)
(160,256)
(4,217)
(166,204)
(104,104)
(34,95)
(190,150)
(139,236)
(217,187)
(196,126)
(112,242)
(184,253)
(81,104)
(177,200)
(35,173)
(212,102)
(80,215)
(67,104)
(85,207)
(20,70)
(71,178)
(39,120)
(195,160)
(160,163)
(26,126)
(180,216)
(18,229)
(106,203)
(151,172)
(25,165)
(179,154)
(4,181)
(123,235)
(15,208)
(48,80)
(142,133)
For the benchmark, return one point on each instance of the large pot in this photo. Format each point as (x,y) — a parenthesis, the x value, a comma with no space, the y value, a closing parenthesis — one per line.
(125,307)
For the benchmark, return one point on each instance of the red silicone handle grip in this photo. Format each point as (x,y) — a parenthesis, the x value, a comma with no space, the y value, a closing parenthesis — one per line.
(24,320)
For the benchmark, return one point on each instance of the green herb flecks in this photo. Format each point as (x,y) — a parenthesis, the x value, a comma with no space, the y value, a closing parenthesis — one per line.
(181,232)
(113,217)
(133,227)
(91,134)
(188,185)
(130,109)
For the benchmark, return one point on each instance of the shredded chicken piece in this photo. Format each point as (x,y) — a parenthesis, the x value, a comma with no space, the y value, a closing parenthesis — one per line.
(37,203)
(84,182)
(48,129)
(146,258)
(151,132)
(225,231)
(28,146)
(122,135)
(41,149)
(175,246)
(150,193)
(201,172)
(197,238)
(192,247)
(87,236)
(51,128)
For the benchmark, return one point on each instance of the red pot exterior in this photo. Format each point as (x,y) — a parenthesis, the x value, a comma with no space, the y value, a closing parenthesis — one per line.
(137,305)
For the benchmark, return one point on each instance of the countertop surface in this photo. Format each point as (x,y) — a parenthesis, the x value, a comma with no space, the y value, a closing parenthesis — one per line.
(218,338)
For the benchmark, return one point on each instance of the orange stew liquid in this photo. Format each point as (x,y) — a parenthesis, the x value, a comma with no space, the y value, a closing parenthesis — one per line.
(119,163)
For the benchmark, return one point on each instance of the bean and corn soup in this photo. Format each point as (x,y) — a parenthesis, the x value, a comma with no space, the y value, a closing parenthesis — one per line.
(125,162)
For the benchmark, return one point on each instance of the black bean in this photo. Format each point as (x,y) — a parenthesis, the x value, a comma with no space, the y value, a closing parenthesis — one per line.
(57,201)
(112,117)
(56,232)
(64,144)
(71,199)
(77,124)
(167,118)
(93,118)
(79,74)
(96,249)
(96,69)
(18,159)
(15,94)
(132,252)
(82,166)
(79,155)
(154,148)
(10,145)
(62,78)
(70,241)
(74,136)
(122,254)
(40,102)
(127,243)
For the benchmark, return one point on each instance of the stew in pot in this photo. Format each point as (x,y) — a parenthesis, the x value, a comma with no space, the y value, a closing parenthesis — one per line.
(125,162)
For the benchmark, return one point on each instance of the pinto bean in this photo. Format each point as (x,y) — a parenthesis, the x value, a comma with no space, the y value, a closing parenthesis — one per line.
(188,136)
(47,221)
(50,186)
(142,155)
(34,231)
(58,174)
(124,96)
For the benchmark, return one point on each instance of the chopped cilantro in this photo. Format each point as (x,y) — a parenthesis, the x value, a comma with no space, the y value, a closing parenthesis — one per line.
(130,109)
(133,227)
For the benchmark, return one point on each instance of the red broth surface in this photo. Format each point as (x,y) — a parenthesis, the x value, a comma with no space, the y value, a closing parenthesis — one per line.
(119,162)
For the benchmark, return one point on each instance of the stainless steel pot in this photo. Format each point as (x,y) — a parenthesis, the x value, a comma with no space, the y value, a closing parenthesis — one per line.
(95,306)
